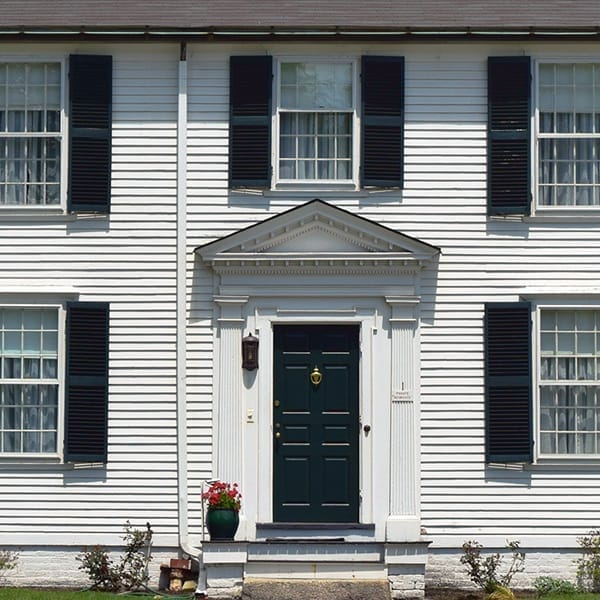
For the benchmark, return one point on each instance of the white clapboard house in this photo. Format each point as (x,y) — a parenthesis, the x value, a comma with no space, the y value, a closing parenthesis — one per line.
(399,200)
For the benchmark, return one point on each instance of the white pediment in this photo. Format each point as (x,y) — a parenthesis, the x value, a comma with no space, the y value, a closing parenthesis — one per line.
(319,236)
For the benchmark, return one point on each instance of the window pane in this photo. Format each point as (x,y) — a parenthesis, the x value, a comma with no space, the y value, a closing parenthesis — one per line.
(48,441)
(585,343)
(32,441)
(11,441)
(326,169)
(344,168)
(287,169)
(306,169)
(31,368)
(287,123)
(548,343)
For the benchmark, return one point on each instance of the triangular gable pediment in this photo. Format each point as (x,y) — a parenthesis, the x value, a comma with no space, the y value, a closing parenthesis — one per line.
(321,234)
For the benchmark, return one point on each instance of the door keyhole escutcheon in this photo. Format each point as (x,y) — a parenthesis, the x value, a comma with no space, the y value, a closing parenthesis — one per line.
(315,376)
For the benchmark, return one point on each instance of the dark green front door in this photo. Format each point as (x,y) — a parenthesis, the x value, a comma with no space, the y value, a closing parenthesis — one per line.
(315,424)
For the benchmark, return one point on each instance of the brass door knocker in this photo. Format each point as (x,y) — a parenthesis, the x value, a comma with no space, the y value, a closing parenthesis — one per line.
(315,376)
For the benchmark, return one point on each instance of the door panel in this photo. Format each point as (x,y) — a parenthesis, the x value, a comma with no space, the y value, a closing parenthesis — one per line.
(315,426)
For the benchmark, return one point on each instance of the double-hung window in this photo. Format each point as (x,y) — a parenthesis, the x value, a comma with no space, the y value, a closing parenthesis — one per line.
(569,382)
(316,120)
(568,128)
(29,380)
(31,133)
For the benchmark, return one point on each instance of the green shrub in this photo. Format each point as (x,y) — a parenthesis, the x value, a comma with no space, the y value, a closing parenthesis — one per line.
(130,573)
(8,561)
(588,566)
(483,572)
(545,586)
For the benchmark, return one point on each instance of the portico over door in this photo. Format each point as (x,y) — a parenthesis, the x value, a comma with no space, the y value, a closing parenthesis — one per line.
(290,280)
(315,424)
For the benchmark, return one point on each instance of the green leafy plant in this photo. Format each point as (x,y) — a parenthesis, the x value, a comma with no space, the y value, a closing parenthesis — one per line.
(483,571)
(545,586)
(588,566)
(130,573)
(8,561)
(223,495)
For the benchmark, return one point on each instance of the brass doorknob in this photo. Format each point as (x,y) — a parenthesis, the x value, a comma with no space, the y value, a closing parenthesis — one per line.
(315,376)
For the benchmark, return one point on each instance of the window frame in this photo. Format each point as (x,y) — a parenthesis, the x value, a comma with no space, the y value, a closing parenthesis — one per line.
(59,208)
(278,183)
(537,208)
(537,309)
(60,307)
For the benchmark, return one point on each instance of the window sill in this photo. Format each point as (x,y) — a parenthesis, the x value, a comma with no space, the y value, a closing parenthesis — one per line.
(32,461)
(15,213)
(316,192)
(565,461)
(556,215)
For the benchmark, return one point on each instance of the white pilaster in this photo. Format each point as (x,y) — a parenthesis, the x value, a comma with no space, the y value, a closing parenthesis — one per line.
(227,407)
(403,521)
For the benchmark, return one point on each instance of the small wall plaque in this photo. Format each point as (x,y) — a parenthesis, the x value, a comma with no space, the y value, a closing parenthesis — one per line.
(402,396)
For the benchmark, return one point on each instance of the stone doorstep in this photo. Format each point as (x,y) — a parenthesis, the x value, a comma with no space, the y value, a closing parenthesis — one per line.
(259,589)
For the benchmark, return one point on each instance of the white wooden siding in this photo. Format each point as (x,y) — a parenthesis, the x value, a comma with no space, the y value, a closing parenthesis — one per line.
(443,203)
(129,261)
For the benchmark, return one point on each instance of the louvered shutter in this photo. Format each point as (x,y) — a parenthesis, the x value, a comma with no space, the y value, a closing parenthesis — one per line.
(508,386)
(509,143)
(86,382)
(90,117)
(382,112)
(250,91)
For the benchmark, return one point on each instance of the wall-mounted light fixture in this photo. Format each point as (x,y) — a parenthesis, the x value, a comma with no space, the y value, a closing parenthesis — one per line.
(250,352)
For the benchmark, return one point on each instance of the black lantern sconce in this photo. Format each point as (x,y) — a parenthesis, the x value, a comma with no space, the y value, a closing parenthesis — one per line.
(250,352)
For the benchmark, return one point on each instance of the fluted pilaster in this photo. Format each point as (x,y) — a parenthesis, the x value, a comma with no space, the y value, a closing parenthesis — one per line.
(227,408)
(403,419)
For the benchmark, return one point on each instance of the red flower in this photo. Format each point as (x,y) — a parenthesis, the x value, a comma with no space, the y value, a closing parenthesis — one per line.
(223,495)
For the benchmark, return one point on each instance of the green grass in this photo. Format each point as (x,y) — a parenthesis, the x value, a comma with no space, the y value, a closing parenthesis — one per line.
(37,594)
(575,596)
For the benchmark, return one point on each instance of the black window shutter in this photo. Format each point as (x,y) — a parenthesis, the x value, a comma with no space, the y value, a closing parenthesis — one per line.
(382,112)
(90,118)
(250,91)
(86,382)
(508,387)
(509,91)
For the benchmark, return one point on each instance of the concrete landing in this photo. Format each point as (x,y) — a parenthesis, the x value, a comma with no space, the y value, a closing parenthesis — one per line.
(295,589)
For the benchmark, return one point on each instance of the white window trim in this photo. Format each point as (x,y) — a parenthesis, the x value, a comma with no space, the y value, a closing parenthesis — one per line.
(538,210)
(23,457)
(61,208)
(315,184)
(537,307)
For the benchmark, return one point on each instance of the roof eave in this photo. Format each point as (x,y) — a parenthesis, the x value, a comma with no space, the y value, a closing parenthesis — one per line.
(296,32)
